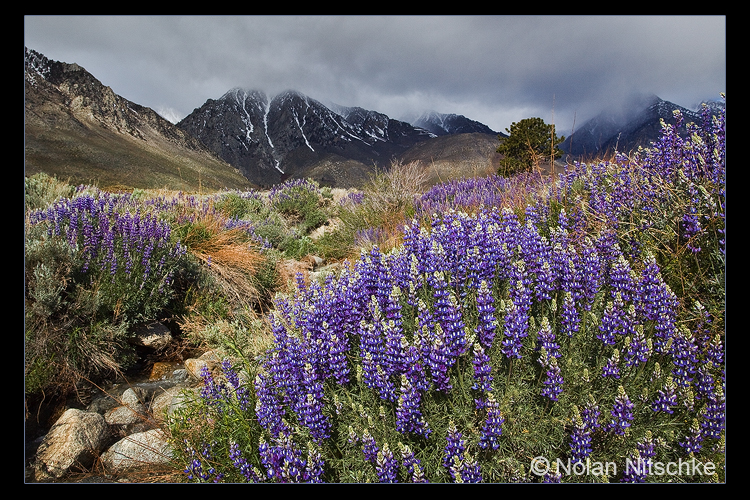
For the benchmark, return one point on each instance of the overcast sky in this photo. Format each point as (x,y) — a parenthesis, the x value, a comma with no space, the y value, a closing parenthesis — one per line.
(494,69)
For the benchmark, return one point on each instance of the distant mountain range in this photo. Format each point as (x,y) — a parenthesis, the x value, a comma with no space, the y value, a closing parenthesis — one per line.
(635,124)
(79,129)
(448,124)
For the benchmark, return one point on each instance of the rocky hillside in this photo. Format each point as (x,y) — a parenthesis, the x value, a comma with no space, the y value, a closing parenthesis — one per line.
(456,155)
(79,130)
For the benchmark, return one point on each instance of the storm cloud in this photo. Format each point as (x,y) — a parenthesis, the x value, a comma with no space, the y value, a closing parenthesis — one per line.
(494,69)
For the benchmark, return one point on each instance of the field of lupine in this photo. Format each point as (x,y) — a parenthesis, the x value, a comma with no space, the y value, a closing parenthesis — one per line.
(525,329)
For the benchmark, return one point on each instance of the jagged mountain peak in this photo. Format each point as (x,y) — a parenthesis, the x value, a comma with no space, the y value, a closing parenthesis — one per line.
(240,94)
(270,140)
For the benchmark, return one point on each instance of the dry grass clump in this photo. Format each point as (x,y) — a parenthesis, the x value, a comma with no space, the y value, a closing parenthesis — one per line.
(228,254)
(396,187)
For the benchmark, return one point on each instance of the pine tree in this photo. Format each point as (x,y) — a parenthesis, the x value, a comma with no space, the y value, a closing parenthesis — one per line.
(530,141)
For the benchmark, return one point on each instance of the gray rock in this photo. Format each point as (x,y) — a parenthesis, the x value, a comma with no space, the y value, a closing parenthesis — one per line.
(73,443)
(154,335)
(137,450)
(169,401)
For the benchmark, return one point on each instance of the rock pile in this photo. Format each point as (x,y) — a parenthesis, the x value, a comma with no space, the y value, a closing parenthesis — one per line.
(121,430)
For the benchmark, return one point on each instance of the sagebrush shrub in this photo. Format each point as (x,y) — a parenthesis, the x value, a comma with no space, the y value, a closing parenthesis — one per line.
(95,265)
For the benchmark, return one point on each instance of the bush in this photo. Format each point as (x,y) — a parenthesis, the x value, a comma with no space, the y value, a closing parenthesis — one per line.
(40,190)
(93,269)
(299,200)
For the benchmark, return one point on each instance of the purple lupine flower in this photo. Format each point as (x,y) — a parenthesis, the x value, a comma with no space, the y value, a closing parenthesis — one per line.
(692,442)
(545,281)
(520,286)
(386,465)
(282,459)
(492,427)
(212,391)
(553,475)
(454,447)
(314,465)
(640,461)
(569,315)
(409,418)
(684,356)
(448,314)
(714,414)
(704,382)
(240,392)
(592,274)
(612,367)
(621,279)
(590,414)
(622,413)
(516,327)
(369,447)
(580,439)
(666,398)
(611,322)
(371,346)
(482,373)
(470,471)
(637,349)
(195,470)
(440,361)
(554,381)
(413,466)
(285,363)
(394,356)
(690,223)
(309,407)
(385,385)
(461,466)
(649,290)
(337,358)
(487,323)
(242,465)
(546,339)
(268,407)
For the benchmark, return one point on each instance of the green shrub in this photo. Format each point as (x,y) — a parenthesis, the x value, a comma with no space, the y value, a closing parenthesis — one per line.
(40,190)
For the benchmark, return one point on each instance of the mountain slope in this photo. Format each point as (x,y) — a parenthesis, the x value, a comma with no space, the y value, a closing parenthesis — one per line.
(81,131)
(456,155)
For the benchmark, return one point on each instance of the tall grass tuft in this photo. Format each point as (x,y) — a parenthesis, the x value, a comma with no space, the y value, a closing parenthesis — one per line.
(376,215)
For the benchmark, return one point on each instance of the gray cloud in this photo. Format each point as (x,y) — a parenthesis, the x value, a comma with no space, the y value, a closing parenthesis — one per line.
(495,69)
